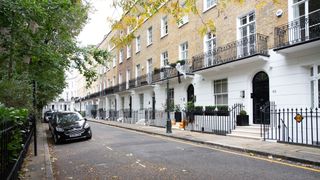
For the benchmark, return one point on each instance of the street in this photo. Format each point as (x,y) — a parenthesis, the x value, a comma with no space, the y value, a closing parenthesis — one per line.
(115,153)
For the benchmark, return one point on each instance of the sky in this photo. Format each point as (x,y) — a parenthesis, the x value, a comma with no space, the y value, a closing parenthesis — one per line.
(98,25)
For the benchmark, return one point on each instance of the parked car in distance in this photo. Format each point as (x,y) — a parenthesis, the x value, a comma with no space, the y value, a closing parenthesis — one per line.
(47,116)
(68,125)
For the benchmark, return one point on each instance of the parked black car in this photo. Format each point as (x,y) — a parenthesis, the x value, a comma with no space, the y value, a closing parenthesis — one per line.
(47,116)
(66,126)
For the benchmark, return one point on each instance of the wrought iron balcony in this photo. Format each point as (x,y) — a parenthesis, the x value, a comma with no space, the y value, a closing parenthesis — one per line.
(143,80)
(303,29)
(123,86)
(255,44)
(163,74)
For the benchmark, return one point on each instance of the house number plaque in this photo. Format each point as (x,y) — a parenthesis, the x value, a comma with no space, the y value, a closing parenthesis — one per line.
(298,118)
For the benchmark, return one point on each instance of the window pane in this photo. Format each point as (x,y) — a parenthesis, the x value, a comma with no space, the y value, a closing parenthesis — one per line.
(318,93)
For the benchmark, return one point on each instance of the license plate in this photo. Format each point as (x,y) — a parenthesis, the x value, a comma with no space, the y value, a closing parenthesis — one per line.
(75,135)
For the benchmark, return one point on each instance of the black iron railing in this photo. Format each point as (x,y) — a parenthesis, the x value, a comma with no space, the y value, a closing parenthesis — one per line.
(143,80)
(122,86)
(10,164)
(255,44)
(164,74)
(297,126)
(302,29)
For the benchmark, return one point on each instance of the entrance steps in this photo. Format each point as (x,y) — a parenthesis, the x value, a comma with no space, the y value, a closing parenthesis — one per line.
(250,132)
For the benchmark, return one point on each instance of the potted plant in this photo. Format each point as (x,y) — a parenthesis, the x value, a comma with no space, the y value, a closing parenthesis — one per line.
(242,118)
(222,110)
(209,110)
(177,113)
(198,110)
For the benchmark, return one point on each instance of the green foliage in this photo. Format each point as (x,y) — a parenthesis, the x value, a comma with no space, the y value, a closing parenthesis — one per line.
(177,108)
(243,113)
(38,42)
(222,108)
(189,106)
(17,118)
(210,109)
(198,109)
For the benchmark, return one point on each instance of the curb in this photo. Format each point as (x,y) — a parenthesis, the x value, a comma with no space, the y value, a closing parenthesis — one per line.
(239,149)
(47,156)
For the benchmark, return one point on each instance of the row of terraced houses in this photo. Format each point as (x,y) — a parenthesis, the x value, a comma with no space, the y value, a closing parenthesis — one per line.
(260,59)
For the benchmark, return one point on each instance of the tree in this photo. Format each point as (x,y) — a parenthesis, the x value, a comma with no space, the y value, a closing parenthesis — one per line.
(38,42)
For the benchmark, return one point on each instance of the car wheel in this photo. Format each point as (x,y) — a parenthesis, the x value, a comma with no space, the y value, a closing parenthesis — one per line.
(55,139)
(90,136)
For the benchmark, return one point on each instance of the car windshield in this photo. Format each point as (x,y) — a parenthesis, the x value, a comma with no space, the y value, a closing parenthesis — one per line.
(69,117)
(49,114)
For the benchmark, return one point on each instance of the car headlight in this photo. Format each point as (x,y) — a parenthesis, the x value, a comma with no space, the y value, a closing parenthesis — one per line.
(59,129)
(86,125)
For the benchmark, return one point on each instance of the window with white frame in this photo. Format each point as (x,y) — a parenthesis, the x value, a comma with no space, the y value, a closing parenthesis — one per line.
(128,51)
(121,53)
(122,103)
(315,86)
(114,61)
(138,70)
(304,15)
(247,30)
(164,26)
(127,78)
(149,36)
(149,70)
(164,59)
(184,19)
(138,44)
(109,84)
(183,54)
(114,81)
(209,49)
(120,79)
(221,91)
(208,4)
(141,98)
(171,97)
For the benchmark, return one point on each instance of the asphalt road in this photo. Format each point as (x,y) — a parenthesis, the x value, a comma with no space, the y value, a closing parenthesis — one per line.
(115,153)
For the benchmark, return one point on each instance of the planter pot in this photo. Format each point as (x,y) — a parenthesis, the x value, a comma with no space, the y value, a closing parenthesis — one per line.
(223,113)
(242,120)
(211,113)
(177,116)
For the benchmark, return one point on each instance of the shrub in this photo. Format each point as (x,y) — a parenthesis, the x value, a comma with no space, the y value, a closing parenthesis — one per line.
(243,113)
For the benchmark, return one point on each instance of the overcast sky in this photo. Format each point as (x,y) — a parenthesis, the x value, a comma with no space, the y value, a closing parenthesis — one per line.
(98,25)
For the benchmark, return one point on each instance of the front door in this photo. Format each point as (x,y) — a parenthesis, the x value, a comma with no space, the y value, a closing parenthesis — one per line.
(130,106)
(260,84)
(153,106)
(190,93)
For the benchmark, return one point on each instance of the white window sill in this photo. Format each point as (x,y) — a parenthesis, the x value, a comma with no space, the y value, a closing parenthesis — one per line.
(163,36)
(149,44)
(181,25)
(207,9)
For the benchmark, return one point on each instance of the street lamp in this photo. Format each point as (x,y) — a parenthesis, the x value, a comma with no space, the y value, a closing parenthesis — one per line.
(168,127)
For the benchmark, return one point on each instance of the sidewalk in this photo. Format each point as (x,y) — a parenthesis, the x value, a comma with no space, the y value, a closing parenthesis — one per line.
(38,167)
(297,153)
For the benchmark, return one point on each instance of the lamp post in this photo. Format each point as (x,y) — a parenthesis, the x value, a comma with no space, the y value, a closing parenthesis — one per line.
(168,127)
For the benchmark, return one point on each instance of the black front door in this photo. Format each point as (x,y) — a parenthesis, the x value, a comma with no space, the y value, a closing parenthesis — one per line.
(190,93)
(260,96)
(153,106)
(130,106)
